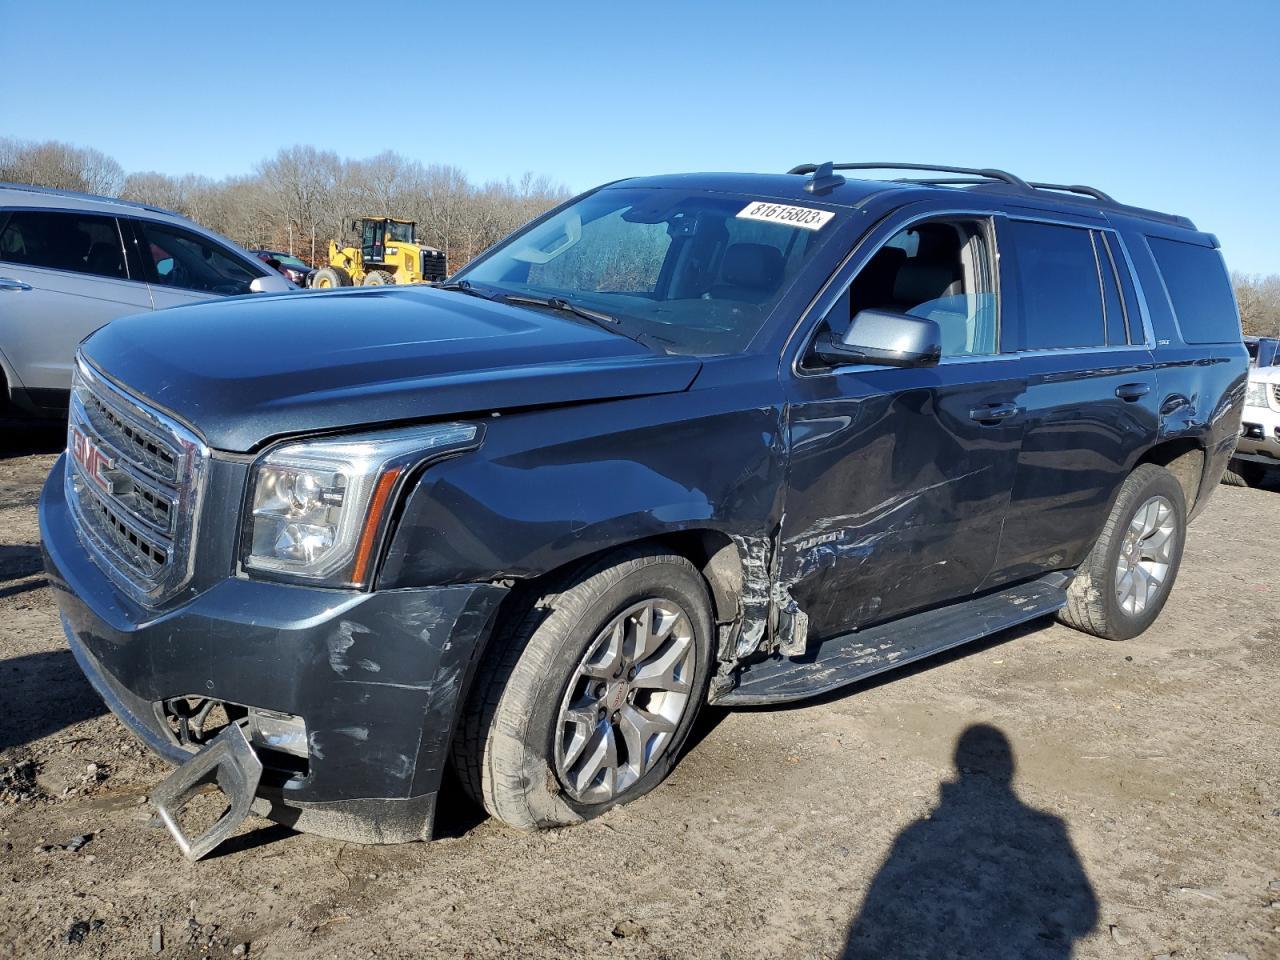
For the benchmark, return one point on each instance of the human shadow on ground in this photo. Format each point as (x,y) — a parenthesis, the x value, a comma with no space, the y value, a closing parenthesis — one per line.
(982,875)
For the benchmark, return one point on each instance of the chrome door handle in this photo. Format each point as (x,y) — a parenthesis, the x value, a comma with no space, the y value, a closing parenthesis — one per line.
(7,284)
(995,412)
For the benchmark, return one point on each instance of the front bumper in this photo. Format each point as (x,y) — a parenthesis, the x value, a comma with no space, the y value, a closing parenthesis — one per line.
(1259,436)
(378,677)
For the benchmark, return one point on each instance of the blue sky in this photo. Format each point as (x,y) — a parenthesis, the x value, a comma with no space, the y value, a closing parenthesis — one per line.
(1173,105)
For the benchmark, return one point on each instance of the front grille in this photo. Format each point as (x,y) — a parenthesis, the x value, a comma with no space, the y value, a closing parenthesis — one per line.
(433,265)
(134,480)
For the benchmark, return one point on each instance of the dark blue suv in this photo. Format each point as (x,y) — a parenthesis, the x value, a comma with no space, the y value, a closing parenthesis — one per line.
(684,439)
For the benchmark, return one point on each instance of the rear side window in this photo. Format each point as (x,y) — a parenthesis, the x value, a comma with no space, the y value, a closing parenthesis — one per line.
(1059,283)
(1199,291)
(76,242)
(184,259)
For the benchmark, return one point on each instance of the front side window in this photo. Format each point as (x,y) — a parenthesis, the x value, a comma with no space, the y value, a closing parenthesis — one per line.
(687,271)
(939,270)
(76,242)
(1061,293)
(189,261)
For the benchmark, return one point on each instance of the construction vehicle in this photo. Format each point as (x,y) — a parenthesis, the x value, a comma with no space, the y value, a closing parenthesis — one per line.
(389,252)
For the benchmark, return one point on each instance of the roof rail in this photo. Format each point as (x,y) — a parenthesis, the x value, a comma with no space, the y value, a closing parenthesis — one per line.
(992,178)
(989,173)
(98,198)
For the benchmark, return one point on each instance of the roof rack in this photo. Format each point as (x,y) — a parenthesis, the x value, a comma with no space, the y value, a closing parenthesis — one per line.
(98,198)
(825,179)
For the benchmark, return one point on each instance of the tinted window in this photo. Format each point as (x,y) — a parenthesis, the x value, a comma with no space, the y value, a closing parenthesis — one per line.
(81,243)
(1058,281)
(940,271)
(187,260)
(1112,302)
(1198,290)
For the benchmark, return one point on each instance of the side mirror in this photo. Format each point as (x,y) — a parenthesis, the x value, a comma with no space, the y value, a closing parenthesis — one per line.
(270,284)
(355,227)
(883,337)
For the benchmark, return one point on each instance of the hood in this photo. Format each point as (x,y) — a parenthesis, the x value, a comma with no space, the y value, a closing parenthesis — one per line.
(242,371)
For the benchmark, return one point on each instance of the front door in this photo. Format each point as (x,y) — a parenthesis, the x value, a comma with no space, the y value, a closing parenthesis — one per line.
(899,479)
(373,241)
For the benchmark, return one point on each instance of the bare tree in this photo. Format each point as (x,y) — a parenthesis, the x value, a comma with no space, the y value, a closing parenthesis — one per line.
(1258,297)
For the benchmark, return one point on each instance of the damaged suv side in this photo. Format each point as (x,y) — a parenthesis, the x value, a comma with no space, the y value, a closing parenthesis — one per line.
(705,438)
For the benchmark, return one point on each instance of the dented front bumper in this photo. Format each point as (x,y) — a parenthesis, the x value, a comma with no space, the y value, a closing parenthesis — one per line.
(377,678)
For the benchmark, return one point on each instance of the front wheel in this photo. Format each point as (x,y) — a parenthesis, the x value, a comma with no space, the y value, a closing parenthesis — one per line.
(591,696)
(1123,584)
(330,278)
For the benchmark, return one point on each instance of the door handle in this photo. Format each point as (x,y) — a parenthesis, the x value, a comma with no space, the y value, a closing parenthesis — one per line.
(994,412)
(1130,392)
(8,284)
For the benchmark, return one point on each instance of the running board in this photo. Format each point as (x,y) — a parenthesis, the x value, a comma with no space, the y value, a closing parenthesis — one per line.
(864,653)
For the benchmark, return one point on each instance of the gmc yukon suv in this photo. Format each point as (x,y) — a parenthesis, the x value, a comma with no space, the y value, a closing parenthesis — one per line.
(719,438)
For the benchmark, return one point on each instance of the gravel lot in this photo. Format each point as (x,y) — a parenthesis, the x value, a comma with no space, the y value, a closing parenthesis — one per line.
(1142,819)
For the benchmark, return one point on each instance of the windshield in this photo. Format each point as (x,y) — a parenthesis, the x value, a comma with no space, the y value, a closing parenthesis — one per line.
(399,232)
(289,261)
(693,272)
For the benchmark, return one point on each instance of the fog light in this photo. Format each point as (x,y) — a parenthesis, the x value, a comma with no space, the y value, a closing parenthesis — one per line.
(278,731)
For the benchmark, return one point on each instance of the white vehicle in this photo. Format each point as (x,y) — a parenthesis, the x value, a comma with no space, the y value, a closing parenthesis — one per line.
(1258,451)
(71,262)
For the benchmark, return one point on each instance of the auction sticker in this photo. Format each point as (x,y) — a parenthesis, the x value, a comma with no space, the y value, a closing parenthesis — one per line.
(805,217)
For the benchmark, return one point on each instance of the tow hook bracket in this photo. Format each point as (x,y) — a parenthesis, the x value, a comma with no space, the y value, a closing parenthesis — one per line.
(228,761)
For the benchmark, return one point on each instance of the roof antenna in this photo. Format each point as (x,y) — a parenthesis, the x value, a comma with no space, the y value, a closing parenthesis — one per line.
(825,179)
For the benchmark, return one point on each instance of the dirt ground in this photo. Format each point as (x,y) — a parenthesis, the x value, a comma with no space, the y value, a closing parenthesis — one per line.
(1044,794)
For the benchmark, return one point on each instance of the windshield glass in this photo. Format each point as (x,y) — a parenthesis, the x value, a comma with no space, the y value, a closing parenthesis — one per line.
(400,232)
(288,261)
(693,272)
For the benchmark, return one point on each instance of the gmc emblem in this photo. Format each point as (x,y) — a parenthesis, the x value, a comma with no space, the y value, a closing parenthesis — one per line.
(92,460)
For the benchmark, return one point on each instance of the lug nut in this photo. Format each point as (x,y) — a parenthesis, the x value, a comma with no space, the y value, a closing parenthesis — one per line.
(617,715)
(600,713)
(631,674)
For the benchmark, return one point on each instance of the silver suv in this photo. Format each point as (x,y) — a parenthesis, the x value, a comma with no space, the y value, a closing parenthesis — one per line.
(71,262)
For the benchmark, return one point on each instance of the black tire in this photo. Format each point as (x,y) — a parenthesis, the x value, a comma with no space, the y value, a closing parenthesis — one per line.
(504,752)
(330,277)
(379,278)
(1244,473)
(1092,604)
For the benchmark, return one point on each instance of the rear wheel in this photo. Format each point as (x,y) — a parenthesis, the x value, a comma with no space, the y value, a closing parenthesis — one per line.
(378,278)
(327,278)
(1244,473)
(1123,584)
(592,694)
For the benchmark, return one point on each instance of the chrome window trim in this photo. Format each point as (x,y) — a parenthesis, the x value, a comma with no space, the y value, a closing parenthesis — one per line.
(189,488)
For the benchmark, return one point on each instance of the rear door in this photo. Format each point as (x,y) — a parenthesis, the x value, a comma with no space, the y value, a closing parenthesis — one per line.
(899,478)
(183,266)
(62,276)
(1091,400)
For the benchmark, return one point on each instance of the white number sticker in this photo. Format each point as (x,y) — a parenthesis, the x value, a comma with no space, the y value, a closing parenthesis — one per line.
(805,217)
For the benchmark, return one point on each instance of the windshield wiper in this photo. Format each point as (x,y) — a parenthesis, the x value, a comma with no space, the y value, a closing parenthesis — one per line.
(600,319)
(467,287)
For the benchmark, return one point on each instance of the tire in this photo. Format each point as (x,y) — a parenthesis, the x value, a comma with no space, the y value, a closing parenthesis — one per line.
(1093,605)
(327,278)
(1244,473)
(506,751)
(379,278)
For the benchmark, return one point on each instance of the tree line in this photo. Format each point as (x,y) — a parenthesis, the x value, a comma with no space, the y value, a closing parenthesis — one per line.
(300,198)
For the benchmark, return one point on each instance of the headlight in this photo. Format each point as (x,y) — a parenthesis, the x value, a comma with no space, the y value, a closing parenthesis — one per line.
(1256,395)
(320,507)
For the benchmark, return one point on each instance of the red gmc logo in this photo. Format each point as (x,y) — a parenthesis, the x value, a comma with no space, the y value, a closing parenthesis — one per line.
(92,460)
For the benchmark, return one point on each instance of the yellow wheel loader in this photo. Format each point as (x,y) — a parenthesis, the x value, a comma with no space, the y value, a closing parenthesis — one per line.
(389,252)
